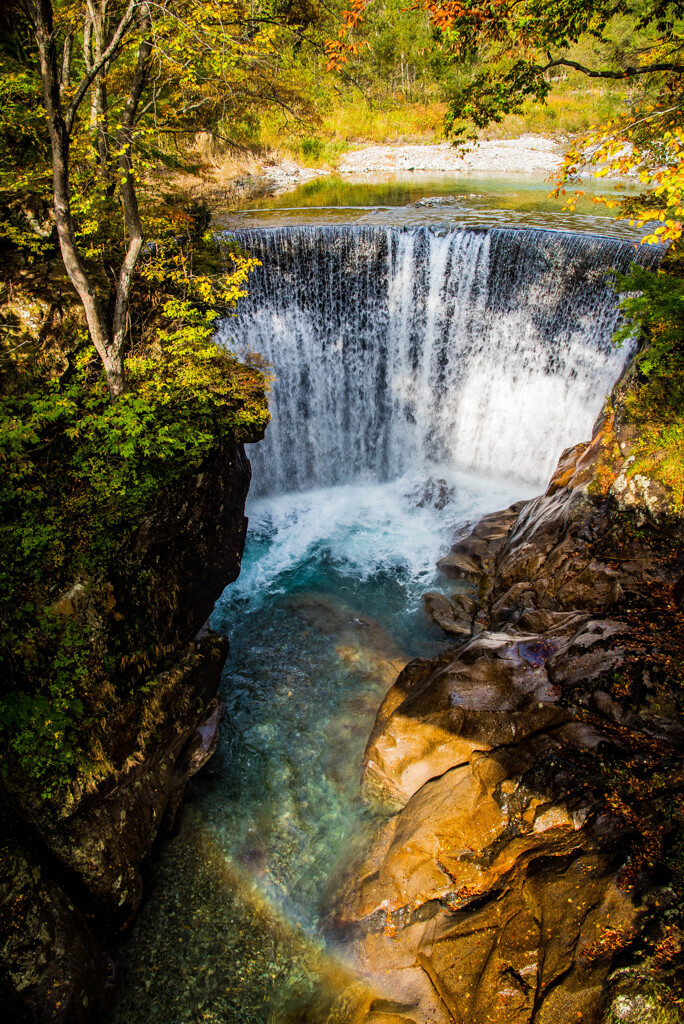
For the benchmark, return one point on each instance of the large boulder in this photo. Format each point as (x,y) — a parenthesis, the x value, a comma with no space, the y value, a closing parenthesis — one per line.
(74,866)
(528,774)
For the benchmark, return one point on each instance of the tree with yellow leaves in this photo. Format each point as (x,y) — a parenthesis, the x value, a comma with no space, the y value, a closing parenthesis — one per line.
(116,78)
(511,49)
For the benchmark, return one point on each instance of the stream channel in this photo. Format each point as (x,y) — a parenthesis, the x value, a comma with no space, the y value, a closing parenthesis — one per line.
(431,363)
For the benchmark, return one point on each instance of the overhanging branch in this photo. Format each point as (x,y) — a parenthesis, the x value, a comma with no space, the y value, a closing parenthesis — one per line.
(628,72)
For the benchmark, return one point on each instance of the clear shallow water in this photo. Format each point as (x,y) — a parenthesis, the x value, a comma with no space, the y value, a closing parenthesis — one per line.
(513,200)
(324,615)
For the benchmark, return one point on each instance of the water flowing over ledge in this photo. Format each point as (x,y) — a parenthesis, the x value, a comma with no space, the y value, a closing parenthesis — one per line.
(400,357)
(393,349)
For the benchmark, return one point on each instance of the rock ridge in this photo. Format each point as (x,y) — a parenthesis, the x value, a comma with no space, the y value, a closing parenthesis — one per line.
(533,771)
(70,872)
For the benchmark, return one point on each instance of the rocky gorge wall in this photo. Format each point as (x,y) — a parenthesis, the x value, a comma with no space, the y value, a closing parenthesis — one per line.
(531,870)
(70,868)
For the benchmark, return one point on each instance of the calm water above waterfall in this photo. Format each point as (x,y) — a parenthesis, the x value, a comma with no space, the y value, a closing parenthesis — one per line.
(466,200)
(422,379)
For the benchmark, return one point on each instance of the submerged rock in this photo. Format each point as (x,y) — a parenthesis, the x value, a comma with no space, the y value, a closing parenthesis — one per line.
(360,641)
(431,201)
(435,494)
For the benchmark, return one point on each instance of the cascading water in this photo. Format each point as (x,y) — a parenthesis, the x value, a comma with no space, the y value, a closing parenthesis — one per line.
(404,360)
(392,350)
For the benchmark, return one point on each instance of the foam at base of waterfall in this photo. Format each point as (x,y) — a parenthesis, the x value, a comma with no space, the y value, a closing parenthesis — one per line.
(360,531)
(485,350)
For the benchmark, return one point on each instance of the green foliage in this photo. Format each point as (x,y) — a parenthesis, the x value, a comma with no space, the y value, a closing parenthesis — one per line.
(512,53)
(396,87)
(78,471)
(403,58)
(482,71)
(654,307)
(25,179)
(39,730)
(312,147)
(654,311)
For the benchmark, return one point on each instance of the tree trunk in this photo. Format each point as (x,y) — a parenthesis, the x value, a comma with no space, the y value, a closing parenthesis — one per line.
(110,353)
(97,44)
(128,193)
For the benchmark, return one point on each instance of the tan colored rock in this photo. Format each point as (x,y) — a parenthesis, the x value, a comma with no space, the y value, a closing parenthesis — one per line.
(69,602)
(518,598)
(440,828)
(459,566)
(441,718)
(500,963)
(565,470)
(498,878)
(595,586)
(541,620)
(496,898)
(443,613)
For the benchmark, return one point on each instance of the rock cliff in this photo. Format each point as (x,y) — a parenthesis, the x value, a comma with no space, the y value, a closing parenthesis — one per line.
(70,868)
(531,870)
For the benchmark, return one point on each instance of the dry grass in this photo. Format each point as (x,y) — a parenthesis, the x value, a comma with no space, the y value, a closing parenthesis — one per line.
(352,121)
(358,123)
(571,109)
(216,173)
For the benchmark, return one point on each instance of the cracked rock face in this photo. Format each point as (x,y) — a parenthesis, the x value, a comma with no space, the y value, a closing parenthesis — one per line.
(499,874)
(73,877)
(497,890)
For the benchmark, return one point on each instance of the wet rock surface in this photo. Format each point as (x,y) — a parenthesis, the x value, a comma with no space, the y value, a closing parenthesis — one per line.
(534,770)
(48,950)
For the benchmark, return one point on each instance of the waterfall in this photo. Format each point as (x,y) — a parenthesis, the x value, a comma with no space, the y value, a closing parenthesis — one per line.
(396,349)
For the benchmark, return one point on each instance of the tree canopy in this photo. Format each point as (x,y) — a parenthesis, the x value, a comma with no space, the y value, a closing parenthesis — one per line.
(514,50)
(95,94)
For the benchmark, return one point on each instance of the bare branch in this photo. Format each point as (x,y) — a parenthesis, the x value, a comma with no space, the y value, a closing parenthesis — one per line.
(98,65)
(65,77)
(629,72)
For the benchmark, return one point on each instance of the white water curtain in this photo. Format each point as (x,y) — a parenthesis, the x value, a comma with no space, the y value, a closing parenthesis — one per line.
(400,349)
